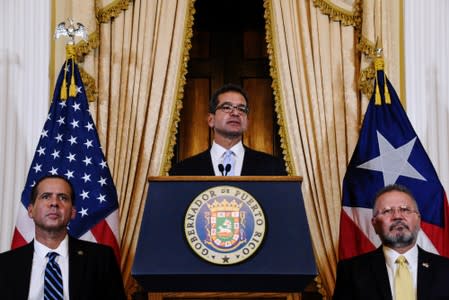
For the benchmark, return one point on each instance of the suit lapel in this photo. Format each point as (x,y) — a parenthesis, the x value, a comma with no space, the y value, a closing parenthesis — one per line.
(424,280)
(248,164)
(77,265)
(379,268)
(24,263)
(206,161)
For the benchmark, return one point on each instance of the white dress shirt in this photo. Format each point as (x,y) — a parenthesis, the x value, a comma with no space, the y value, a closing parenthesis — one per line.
(40,260)
(217,152)
(390,259)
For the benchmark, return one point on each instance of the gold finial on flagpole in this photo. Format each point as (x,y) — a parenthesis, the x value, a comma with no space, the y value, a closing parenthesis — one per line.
(379,65)
(70,29)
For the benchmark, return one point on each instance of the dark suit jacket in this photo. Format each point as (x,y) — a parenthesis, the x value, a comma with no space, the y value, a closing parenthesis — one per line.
(365,277)
(254,163)
(93,272)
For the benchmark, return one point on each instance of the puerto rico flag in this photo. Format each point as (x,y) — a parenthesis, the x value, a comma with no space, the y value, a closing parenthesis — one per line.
(69,146)
(388,151)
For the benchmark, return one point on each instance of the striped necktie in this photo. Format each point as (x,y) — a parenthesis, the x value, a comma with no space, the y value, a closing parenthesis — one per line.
(53,279)
(403,283)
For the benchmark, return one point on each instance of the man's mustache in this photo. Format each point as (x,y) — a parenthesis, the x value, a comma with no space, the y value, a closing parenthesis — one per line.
(398,223)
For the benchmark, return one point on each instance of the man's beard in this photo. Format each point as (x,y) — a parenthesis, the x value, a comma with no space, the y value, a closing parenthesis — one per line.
(400,239)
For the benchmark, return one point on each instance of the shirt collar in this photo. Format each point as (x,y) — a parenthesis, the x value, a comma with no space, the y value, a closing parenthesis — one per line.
(63,249)
(391,255)
(218,150)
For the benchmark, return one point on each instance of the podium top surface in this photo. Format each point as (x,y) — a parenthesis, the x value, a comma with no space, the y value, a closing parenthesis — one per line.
(225,178)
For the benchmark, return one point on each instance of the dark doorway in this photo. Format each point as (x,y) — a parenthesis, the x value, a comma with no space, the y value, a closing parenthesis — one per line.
(228,45)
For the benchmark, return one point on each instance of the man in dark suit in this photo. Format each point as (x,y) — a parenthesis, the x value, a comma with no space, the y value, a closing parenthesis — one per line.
(228,117)
(375,275)
(88,270)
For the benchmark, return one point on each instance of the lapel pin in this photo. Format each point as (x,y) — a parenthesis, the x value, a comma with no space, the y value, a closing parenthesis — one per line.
(425,265)
(80,252)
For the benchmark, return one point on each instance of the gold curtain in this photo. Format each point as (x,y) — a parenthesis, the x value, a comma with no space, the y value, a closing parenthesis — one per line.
(136,60)
(134,70)
(318,51)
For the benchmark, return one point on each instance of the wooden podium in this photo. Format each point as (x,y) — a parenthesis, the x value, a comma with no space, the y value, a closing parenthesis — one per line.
(167,267)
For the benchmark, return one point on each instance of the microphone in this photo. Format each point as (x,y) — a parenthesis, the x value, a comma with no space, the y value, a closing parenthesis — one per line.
(227,169)
(221,169)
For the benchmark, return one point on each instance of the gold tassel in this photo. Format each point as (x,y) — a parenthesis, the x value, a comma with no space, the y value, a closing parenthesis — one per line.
(72,91)
(377,99)
(63,95)
(386,92)
(379,65)
(70,55)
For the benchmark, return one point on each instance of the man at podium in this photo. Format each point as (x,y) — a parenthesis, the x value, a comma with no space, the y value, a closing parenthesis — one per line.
(228,117)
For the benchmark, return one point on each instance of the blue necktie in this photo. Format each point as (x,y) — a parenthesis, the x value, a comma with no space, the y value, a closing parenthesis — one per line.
(228,162)
(53,279)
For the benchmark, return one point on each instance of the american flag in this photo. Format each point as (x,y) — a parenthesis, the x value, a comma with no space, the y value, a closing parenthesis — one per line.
(69,146)
(388,151)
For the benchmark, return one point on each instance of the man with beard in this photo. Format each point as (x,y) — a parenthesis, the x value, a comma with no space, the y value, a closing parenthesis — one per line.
(228,117)
(374,275)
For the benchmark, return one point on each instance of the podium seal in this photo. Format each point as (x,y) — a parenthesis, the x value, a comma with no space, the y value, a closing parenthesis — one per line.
(224,225)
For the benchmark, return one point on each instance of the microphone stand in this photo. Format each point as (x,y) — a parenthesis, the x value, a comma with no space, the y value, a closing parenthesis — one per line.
(221,169)
(227,169)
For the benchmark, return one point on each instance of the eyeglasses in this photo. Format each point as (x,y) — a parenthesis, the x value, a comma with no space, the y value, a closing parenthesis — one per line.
(390,211)
(228,108)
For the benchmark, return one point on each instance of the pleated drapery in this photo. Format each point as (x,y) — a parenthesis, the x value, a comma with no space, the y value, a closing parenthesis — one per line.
(319,51)
(135,62)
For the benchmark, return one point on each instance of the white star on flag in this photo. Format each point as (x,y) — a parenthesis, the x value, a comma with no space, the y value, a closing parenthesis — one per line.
(102,198)
(71,157)
(69,174)
(89,126)
(72,140)
(84,194)
(58,138)
(55,154)
(53,171)
(61,121)
(88,144)
(41,151)
(392,162)
(83,212)
(44,133)
(76,106)
(87,161)
(74,123)
(102,181)
(37,168)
